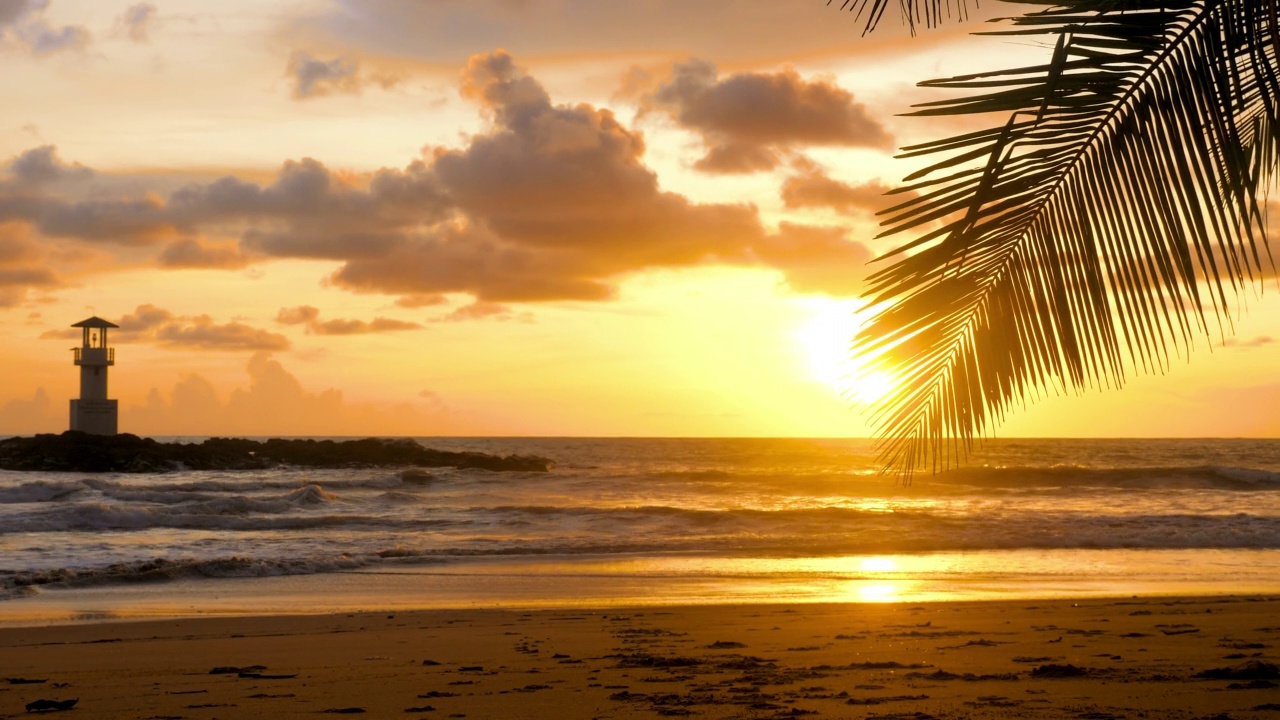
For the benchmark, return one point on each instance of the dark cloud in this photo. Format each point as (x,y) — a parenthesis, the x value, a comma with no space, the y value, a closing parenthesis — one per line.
(306,208)
(23,25)
(141,221)
(202,333)
(16,281)
(193,254)
(813,188)
(137,21)
(27,276)
(11,11)
(144,321)
(418,301)
(313,77)
(309,316)
(42,164)
(749,120)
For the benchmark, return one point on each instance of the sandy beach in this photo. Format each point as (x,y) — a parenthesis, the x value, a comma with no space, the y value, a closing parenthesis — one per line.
(1096,659)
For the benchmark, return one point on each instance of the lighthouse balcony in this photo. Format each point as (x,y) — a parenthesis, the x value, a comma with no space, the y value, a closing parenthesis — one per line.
(95,356)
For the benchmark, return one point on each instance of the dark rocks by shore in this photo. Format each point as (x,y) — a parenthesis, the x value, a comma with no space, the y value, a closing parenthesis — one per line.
(80,452)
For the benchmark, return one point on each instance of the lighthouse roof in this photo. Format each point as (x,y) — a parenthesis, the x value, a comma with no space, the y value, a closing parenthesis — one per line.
(95,322)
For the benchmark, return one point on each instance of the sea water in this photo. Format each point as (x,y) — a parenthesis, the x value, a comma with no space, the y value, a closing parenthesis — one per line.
(646,521)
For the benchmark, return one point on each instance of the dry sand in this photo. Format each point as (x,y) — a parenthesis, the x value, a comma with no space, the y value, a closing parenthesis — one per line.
(1094,659)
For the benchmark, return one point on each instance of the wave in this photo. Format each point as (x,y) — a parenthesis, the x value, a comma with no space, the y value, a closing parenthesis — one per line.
(21,584)
(1191,477)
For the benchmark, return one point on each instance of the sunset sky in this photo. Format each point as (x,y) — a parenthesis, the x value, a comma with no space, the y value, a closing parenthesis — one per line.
(497,217)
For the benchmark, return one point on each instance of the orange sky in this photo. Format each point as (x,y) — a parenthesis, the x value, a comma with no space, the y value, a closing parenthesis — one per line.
(548,217)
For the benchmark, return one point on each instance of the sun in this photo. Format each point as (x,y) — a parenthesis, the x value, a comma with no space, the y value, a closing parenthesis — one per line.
(824,340)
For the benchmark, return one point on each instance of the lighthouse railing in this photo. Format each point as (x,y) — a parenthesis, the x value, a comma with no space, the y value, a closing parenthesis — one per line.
(96,355)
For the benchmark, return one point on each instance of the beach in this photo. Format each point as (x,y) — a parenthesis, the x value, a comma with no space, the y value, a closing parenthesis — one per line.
(1207,657)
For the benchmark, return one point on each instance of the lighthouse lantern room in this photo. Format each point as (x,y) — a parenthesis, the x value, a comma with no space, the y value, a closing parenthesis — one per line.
(93,412)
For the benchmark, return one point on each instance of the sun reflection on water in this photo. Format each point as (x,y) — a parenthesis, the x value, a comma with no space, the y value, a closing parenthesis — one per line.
(879,593)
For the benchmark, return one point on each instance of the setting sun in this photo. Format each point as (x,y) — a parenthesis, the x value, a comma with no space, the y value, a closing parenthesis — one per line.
(825,339)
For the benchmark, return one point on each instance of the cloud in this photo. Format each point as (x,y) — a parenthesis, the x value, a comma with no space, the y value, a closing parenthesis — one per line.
(313,77)
(550,205)
(817,260)
(301,315)
(749,121)
(16,281)
(309,316)
(38,414)
(194,254)
(202,333)
(137,21)
(152,324)
(813,188)
(1257,342)
(23,26)
(277,403)
(417,301)
(485,311)
(42,164)
(21,269)
(552,202)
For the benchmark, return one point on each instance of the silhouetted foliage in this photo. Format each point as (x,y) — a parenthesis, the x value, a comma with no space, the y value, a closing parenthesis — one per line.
(1106,224)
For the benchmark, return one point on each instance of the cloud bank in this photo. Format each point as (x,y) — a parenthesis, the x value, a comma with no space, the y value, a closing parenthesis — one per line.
(553,202)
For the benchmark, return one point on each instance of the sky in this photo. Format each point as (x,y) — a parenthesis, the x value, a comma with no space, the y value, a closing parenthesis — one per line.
(491,217)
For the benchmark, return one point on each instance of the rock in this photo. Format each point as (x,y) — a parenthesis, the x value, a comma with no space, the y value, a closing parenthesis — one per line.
(1249,670)
(42,705)
(1059,671)
(74,451)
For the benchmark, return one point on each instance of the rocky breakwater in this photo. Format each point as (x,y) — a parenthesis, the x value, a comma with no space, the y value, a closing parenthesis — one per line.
(80,452)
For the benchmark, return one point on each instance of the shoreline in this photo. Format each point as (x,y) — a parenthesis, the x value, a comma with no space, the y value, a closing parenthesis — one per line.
(643,580)
(1168,657)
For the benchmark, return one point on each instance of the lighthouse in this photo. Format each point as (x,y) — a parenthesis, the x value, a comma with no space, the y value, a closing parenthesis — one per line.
(93,412)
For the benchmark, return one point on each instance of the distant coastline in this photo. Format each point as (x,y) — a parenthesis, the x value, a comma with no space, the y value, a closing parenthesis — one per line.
(74,451)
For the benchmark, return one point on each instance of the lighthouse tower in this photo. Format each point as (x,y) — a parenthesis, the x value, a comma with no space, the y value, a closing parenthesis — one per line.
(93,412)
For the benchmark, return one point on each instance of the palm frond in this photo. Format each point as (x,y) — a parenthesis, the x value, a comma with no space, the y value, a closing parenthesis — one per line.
(914,13)
(1101,230)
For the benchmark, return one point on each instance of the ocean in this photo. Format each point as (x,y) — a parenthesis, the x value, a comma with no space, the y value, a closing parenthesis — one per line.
(646,522)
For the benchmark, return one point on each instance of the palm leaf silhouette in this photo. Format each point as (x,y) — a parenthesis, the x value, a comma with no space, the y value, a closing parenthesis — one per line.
(914,12)
(1103,228)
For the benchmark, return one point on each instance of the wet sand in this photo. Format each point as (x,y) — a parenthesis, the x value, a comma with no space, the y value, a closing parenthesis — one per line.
(1089,659)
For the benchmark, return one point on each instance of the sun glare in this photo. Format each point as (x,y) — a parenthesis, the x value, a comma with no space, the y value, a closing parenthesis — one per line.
(825,340)
(878,564)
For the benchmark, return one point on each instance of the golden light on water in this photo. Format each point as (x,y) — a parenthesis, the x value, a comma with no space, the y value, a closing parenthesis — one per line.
(880,593)
(878,564)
